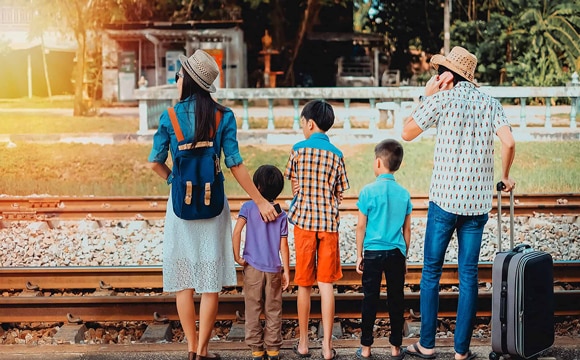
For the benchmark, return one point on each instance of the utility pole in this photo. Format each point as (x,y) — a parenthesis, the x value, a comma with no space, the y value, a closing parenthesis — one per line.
(446,21)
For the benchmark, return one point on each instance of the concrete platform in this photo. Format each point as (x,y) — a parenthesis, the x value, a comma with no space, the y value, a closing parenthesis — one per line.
(565,348)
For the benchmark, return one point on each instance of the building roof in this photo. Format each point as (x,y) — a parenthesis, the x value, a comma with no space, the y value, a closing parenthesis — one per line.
(171,31)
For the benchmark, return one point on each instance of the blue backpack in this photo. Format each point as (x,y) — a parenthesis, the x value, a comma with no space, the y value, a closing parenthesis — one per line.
(197,189)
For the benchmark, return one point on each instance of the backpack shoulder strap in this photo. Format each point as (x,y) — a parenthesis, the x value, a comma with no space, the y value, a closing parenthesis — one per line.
(218,119)
(175,124)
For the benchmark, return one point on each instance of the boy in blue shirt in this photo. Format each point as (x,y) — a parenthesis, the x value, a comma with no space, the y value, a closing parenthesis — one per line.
(265,259)
(383,232)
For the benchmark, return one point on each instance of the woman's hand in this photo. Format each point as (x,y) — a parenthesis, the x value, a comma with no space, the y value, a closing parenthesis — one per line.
(243,178)
(267,211)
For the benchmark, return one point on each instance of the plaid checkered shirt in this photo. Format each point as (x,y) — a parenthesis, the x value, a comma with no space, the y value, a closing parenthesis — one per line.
(319,168)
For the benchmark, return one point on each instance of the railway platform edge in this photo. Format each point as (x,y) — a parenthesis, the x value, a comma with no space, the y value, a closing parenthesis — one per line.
(565,348)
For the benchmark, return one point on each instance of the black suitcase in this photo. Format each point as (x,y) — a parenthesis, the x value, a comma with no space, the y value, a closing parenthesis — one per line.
(522,317)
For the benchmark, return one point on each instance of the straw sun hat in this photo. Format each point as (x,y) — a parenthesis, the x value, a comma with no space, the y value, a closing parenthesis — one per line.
(202,68)
(458,60)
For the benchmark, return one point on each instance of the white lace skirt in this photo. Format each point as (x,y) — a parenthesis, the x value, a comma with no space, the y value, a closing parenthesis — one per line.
(197,254)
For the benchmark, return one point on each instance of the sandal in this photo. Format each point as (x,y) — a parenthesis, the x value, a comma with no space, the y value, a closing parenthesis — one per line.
(400,356)
(334,355)
(298,353)
(469,355)
(417,352)
(360,356)
(208,356)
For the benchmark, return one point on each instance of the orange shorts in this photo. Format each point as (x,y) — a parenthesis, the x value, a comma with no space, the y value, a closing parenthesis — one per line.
(317,257)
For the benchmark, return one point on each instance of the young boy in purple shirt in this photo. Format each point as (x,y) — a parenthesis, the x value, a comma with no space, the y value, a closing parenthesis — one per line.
(265,255)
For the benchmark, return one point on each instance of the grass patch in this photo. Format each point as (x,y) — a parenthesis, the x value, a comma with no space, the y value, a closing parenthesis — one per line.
(280,122)
(121,170)
(51,123)
(59,102)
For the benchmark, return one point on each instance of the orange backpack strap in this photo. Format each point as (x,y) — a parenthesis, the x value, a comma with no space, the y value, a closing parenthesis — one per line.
(218,119)
(177,128)
(175,123)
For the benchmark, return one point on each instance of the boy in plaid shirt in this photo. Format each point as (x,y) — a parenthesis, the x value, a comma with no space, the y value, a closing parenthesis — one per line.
(318,175)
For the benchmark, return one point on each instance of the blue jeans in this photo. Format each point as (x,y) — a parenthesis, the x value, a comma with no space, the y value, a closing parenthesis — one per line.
(392,264)
(440,228)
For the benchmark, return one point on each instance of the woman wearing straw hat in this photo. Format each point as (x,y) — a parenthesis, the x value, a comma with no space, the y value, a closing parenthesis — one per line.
(197,254)
(461,192)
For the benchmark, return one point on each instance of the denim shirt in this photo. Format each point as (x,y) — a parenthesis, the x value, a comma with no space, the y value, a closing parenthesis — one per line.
(165,139)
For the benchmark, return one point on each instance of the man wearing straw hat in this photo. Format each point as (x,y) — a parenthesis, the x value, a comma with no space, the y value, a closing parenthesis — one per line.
(461,191)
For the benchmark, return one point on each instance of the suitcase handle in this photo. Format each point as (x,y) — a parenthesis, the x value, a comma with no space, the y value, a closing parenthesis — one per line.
(500,186)
(521,248)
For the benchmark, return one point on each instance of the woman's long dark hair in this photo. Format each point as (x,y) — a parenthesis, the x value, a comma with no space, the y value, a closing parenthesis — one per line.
(205,108)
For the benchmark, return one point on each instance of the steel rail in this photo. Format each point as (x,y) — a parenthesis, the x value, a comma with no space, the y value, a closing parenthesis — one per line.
(32,306)
(19,309)
(151,277)
(153,207)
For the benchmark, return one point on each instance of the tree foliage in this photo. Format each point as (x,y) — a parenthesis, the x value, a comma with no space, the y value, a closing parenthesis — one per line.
(83,19)
(290,21)
(524,42)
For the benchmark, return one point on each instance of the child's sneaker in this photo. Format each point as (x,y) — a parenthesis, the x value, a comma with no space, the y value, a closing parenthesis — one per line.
(273,355)
(259,355)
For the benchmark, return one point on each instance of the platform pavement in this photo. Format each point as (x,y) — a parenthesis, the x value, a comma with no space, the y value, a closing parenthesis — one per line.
(565,348)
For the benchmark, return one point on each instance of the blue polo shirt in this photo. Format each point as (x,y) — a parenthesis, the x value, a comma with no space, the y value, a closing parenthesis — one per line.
(385,204)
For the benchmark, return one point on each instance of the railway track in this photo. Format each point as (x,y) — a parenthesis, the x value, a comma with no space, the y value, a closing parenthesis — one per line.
(134,294)
(153,207)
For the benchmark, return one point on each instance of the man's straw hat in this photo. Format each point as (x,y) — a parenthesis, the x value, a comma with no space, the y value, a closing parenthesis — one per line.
(458,60)
(202,68)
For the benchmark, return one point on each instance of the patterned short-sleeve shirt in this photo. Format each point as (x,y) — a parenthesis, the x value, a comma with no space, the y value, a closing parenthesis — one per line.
(466,121)
(319,168)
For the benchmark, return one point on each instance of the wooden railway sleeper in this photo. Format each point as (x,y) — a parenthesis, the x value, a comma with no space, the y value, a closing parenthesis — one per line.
(160,330)
(238,329)
(412,325)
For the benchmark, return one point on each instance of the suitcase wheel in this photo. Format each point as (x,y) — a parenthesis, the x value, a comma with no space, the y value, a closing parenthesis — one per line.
(494,356)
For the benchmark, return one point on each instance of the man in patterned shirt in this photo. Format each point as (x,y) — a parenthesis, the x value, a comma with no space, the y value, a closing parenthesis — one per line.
(461,192)
(318,175)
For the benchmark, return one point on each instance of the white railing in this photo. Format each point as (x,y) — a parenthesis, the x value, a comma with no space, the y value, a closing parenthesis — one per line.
(152,101)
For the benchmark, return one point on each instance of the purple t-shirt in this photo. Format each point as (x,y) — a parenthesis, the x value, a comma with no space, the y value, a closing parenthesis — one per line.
(262,247)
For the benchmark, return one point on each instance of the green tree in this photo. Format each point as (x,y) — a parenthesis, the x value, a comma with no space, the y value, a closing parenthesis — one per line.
(309,11)
(523,42)
(407,24)
(83,19)
(546,41)
(361,16)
